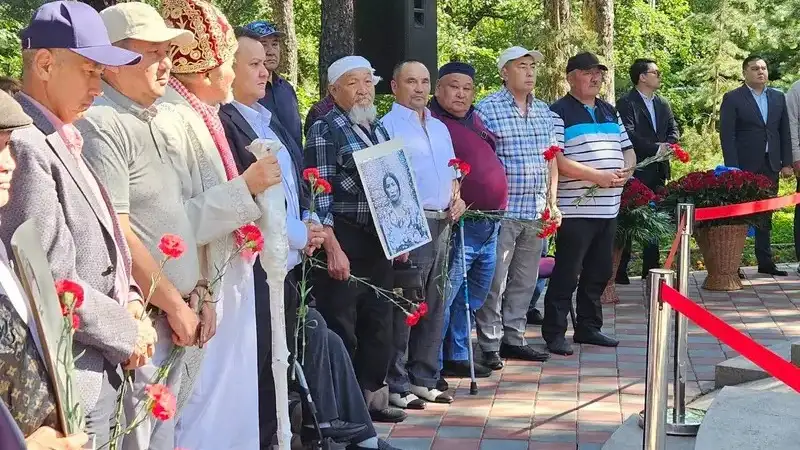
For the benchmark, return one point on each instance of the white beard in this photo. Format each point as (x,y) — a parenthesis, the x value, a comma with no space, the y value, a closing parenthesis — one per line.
(363,115)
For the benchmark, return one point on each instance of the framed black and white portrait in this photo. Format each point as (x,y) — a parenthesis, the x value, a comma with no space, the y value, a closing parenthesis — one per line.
(393,198)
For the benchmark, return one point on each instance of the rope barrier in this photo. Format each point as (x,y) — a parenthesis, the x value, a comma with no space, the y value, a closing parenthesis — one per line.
(747,347)
(745,209)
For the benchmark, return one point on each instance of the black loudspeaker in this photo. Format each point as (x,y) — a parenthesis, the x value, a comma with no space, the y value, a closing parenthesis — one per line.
(388,32)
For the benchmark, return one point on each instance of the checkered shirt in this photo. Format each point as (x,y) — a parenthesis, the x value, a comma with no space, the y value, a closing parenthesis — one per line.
(331,152)
(521,142)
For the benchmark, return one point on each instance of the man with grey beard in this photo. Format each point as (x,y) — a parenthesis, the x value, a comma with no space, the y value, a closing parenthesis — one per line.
(360,317)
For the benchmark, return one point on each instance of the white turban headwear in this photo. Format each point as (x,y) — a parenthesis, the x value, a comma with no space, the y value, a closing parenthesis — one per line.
(343,65)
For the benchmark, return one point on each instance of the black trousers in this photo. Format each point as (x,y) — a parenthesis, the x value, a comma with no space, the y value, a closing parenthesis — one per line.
(355,312)
(763,246)
(653,178)
(583,249)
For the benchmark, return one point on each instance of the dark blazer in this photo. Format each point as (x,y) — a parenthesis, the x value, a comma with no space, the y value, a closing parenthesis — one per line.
(643,136)
(744,135)
(239,135)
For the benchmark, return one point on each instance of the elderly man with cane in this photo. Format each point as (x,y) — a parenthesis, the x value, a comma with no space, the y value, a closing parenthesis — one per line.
(485,189)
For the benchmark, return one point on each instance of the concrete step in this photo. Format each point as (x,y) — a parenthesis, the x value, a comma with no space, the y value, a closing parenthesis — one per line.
(740,370)
(704,401)
(746,419)
(629,437)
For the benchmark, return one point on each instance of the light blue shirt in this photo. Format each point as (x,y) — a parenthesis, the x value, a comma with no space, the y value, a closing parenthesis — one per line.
(258,117)
(649,103)
(763,105)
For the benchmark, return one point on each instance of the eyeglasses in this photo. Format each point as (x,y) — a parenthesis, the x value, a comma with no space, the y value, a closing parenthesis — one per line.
(655,72)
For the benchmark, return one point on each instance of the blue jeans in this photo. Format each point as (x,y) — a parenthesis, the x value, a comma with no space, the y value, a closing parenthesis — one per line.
(480,239)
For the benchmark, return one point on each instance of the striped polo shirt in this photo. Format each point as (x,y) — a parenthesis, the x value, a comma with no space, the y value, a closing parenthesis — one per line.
(594,137)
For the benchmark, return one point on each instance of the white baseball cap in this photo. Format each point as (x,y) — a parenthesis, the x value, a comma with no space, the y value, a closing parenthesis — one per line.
(140,21)
(513,53)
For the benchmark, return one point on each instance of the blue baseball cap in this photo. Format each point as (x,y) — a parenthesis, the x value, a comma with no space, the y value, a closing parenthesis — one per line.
(263,29)
(77,27)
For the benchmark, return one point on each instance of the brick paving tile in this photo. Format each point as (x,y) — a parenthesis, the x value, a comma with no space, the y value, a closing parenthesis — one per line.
(577,402)
(456,444)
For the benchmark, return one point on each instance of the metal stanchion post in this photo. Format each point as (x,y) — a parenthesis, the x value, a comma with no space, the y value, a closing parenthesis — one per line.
(654,417)
(680,421)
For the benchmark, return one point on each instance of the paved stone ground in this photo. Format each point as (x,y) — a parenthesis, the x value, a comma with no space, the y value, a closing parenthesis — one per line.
(577,402)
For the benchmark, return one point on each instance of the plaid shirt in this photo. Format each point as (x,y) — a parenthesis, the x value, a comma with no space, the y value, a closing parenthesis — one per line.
(331,152)
(521,142)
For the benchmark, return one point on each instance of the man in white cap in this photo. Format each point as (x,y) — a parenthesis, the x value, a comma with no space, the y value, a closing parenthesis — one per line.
(126,143)
(76,225)
(525,129)
(360,317)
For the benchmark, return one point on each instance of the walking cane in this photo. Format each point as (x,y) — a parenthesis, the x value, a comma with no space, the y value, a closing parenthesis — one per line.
(473,385)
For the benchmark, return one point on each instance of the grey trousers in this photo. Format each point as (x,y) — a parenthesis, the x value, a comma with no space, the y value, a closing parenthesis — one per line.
(504,314)
(331,378)
(416,349)
(152,434)
(100,419)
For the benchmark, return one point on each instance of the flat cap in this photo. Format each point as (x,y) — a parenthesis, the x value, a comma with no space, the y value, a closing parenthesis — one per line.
(12,116)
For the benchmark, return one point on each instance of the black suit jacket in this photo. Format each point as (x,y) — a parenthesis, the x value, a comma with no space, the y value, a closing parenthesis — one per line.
(240,134)
(744,135)
(644,136)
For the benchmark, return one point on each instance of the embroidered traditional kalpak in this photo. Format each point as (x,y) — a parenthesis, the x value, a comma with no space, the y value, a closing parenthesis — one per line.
(213,43)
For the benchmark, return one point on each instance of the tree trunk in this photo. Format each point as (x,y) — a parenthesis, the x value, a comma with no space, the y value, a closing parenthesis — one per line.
(337,39)
(552,84)
(599,16)
(283,15)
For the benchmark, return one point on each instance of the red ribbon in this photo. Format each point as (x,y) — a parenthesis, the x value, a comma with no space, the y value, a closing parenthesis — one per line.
(750,349)
(744,209)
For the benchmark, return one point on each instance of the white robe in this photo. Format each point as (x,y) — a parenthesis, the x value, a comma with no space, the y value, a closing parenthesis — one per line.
(222,411)
(220,382)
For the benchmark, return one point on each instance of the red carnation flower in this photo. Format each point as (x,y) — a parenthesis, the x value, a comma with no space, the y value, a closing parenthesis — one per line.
(551,152)
(322,186)
(548,229)
(311,174)
(70,295)
(546,214)
(680,153)
(454,162)
(249,239)
(172,246)
(412,319)
(422,309)
(163,401)
(464,168)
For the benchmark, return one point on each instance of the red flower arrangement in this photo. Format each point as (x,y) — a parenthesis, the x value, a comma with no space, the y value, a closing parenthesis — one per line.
(461,167)
(172,246)
(723,186)
(636,194)
(551,152)
(162,401)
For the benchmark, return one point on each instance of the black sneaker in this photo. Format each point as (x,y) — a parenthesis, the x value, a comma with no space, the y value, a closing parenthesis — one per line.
(594,338)
(535,317)
(492,360)
(460,369)
(523,352)
(388,415)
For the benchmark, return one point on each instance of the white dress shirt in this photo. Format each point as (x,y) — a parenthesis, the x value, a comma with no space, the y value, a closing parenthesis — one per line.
(258,118)
(430,150)
(649,103)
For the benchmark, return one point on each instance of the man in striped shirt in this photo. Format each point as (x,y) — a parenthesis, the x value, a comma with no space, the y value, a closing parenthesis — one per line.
(596,152)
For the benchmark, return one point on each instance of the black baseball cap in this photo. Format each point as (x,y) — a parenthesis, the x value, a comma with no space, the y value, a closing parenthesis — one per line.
(585,61)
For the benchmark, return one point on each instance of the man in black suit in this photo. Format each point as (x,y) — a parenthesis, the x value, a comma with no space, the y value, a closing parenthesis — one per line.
(650,124)
(754,132)
(341,409)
